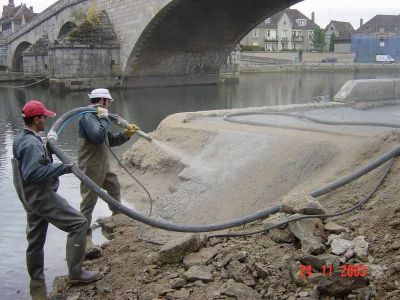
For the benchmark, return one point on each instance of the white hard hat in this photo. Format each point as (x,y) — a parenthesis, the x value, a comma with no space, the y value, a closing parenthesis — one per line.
(100,93)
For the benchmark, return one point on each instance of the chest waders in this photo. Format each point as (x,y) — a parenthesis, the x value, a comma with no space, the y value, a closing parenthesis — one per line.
(54,209)
(34,261)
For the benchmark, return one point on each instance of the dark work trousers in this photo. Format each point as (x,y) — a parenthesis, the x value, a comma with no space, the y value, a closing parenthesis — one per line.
(44,207)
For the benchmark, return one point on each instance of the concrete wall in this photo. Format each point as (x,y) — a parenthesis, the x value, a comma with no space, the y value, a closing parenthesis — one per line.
(78,67)
(37,65)
(3,53)
(317,57)
(307,56)
(343,48)
(370,91)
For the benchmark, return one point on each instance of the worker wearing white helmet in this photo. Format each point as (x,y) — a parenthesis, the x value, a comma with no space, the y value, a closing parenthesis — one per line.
(93,134)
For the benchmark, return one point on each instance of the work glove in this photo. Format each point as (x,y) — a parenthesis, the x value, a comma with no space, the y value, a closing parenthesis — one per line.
(102,112)
(131,130)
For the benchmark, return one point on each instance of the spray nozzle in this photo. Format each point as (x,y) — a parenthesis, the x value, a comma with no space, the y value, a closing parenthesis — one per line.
(124,124)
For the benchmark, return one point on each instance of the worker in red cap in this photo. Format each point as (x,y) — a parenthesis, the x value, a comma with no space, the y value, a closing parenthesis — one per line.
(36,182)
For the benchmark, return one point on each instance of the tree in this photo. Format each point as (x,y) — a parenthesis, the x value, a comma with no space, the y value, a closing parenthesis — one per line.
(332,42)
(318,39)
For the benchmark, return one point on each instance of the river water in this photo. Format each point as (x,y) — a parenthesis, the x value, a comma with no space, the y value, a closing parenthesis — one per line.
(145,107)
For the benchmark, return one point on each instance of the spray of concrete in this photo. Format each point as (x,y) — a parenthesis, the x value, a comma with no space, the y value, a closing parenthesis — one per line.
(199,166)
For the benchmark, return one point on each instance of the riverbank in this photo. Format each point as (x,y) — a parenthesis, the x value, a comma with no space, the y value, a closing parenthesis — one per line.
(226,170)
(259,66)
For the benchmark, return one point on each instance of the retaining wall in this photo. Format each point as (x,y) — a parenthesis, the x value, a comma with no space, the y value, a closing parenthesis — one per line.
(370,91)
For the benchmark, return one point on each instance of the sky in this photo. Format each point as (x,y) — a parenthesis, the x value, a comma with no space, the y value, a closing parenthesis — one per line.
(325,10)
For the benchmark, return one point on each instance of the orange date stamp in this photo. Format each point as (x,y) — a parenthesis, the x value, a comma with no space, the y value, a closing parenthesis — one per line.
(347,270)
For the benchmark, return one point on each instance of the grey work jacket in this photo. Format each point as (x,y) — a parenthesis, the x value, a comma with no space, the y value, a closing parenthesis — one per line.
(39,173)
(93,135)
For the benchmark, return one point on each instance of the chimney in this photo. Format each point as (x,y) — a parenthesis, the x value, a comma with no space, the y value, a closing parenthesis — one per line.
(11,3)
(361,22)
(313,17)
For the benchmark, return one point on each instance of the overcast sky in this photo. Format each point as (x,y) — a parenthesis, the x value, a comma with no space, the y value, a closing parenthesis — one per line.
(325,10)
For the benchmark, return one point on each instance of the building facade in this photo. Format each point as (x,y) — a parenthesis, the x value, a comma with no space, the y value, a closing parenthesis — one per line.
(287,30)
(342,32)
(14,17)
(379,36)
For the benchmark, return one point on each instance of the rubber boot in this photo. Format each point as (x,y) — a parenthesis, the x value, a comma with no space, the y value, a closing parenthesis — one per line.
(37,289)
(35,265)
(76,247)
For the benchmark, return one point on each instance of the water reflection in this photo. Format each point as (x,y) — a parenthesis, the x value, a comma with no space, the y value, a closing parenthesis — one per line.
(146,107)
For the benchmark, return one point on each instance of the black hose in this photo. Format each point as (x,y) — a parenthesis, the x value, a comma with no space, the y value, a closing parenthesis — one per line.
(52,136)
(361,172)
(301,217)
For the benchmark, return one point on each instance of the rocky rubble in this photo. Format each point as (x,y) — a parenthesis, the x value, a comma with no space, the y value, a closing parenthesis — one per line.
(190,267)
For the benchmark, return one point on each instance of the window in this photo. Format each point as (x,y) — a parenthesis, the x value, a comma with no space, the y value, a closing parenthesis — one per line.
(310,34)
(382,43)
(271,46)
(255,43)
(301,22)
(255,33)
(270,34)
(285,46)
(297,33)
(284,33)
(267,21)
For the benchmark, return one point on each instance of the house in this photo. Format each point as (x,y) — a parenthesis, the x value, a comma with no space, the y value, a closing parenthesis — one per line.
(288,29)
(342,32)
(380,35)
(14,17)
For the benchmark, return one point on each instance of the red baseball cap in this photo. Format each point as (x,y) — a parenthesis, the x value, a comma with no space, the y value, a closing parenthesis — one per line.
(36,108)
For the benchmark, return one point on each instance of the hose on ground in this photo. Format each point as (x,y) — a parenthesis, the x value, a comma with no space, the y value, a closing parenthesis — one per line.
(301,217)
(52,138)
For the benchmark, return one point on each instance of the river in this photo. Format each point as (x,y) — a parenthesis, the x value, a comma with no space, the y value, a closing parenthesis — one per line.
(145,107)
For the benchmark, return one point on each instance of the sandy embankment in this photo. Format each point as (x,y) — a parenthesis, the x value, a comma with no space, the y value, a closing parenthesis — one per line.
(230,170)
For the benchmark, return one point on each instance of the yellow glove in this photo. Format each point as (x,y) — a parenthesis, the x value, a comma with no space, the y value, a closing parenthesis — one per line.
(131,129)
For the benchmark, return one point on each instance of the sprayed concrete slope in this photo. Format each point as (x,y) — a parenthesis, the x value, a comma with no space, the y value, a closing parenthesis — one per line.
(215,170)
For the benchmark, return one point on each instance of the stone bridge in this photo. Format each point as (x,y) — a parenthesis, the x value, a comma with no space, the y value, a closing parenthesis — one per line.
(157,42)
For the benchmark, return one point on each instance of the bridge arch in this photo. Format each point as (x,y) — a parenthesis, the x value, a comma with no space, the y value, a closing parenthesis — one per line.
(17,60)
(65,30)
(188,37)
